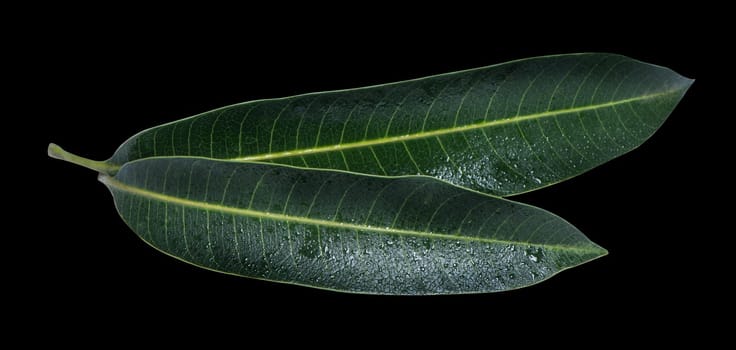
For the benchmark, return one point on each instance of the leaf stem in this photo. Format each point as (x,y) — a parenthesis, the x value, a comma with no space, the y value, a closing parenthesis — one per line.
(100,166)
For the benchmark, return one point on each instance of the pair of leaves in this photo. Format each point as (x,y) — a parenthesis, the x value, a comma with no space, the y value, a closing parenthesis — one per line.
(201,190)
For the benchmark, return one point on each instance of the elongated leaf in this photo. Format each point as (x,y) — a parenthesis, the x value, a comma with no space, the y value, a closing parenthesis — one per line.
(342,231)
(502,129)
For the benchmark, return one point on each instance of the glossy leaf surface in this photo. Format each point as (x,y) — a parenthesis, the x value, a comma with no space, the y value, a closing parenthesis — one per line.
(202,190)
(342,231)
(503,129)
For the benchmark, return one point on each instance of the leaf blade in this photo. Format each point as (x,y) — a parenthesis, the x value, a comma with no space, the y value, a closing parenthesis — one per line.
(503,129)
(311,227)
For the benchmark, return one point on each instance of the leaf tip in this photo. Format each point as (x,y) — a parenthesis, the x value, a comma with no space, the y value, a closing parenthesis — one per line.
(688,82)
(598,251)
(683,83)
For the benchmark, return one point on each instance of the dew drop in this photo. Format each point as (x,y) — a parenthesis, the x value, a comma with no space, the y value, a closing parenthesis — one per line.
(533,255)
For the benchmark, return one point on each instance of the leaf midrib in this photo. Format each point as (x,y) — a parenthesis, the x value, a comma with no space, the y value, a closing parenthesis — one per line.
(114,183)
(439,132)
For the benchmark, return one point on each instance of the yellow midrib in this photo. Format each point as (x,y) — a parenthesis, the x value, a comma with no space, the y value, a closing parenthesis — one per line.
(114,183)
(438,132)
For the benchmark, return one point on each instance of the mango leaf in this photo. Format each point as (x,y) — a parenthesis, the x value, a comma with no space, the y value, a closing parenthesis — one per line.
(503,129)
(342,231)
(201,190)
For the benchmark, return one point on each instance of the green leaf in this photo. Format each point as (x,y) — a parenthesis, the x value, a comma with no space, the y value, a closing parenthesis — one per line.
(503,129)
(342,231)
(200,189)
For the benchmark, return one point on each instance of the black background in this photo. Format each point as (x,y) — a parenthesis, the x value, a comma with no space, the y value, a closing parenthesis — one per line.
(104,80)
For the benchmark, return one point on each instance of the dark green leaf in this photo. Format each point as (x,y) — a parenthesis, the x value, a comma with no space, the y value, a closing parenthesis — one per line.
(342,231)
(502,129)
(191,188)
